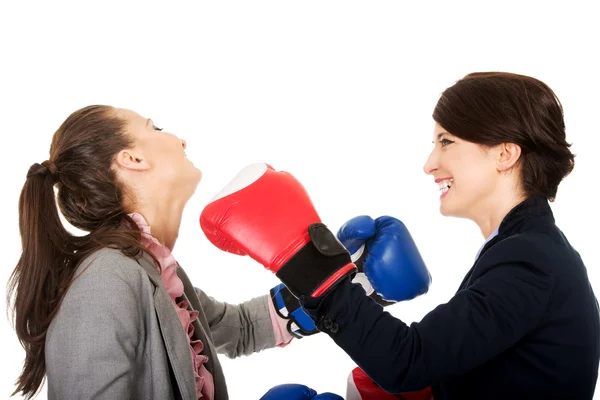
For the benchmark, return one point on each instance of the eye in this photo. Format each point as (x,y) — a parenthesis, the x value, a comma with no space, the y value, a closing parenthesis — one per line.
(156,128)
(446,142)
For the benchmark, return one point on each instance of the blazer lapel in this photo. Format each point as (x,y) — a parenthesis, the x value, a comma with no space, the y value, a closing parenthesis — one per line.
(174,337)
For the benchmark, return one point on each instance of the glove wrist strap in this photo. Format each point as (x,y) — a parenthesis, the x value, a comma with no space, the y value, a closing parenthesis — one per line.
(318,266)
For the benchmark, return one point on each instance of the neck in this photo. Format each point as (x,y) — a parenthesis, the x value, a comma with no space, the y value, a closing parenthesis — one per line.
(498,207)
(164,219)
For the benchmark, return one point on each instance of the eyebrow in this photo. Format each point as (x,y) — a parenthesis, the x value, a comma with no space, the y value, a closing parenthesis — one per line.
(147,122)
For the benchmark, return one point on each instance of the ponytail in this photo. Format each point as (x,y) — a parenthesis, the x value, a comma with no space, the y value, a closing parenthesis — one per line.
(44,262)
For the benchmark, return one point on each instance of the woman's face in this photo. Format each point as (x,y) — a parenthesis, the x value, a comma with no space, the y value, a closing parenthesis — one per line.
(465,172)
(160,155)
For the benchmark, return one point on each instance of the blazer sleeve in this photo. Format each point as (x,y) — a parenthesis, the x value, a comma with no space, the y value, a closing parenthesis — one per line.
(503,304)
(240,329)
(91,343)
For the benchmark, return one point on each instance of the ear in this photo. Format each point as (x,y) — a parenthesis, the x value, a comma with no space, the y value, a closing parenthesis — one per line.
(507,156)
(131,159)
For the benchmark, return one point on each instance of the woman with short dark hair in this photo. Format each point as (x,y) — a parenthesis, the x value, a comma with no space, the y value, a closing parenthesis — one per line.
(524,323)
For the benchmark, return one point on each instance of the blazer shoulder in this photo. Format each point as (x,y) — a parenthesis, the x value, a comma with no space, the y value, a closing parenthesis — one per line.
(107,261)
(533,248)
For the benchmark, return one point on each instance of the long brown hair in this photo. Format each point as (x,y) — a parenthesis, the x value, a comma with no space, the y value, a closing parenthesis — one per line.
(91,199)
(490,108)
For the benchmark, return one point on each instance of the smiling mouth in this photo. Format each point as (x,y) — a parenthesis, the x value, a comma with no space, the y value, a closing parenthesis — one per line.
(445,185)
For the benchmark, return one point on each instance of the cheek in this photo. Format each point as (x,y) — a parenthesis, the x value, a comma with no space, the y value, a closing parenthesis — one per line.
(170,149)
(166,157)
(477,176)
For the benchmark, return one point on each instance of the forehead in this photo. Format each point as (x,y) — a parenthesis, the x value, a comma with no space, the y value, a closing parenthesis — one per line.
(136,124)
(132,117)
(438,131)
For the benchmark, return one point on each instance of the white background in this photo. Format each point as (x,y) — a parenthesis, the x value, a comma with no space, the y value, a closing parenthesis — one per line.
(338,93)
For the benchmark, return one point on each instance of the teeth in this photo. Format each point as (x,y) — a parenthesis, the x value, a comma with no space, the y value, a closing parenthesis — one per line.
(445,185)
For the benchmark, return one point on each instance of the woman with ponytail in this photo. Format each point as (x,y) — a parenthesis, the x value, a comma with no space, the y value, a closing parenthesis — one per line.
(111,314)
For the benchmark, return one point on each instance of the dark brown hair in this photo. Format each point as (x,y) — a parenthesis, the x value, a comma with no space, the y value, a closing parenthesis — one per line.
(91,199)
(490,108)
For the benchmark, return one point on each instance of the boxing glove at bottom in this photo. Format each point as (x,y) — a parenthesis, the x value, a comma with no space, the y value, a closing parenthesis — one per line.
(361,387)
(294,391)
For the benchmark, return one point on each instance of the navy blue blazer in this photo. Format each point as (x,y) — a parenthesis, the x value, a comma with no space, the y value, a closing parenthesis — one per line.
(524,323)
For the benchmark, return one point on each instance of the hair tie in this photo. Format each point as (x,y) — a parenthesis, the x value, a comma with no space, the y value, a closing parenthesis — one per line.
(43,168)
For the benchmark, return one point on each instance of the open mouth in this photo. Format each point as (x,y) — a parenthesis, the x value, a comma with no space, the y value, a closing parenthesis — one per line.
(445,186)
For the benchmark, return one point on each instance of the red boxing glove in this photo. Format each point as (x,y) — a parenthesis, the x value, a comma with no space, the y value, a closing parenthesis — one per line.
(269,216)
(361,387)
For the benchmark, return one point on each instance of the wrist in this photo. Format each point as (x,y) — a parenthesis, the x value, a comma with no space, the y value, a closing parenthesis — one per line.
(289,312)
(280,331)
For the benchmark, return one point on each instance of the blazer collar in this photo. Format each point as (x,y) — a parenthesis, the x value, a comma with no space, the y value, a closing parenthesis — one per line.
(533,207)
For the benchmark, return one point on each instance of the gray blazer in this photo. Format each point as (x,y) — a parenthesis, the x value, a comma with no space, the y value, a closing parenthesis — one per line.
(117,334)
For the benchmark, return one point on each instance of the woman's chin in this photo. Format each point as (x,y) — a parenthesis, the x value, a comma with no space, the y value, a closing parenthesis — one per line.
(448,207)
(445,205)
(446,212)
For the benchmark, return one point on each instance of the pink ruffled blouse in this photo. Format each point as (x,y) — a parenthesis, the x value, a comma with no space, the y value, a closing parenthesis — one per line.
(205,388)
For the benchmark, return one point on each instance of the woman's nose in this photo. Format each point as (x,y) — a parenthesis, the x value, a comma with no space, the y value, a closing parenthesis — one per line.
(431,164)
(183,144)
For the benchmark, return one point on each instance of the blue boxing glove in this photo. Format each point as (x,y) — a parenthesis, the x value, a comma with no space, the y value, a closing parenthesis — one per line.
(390,269)
(288,307)
(387,258)
(293,391)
